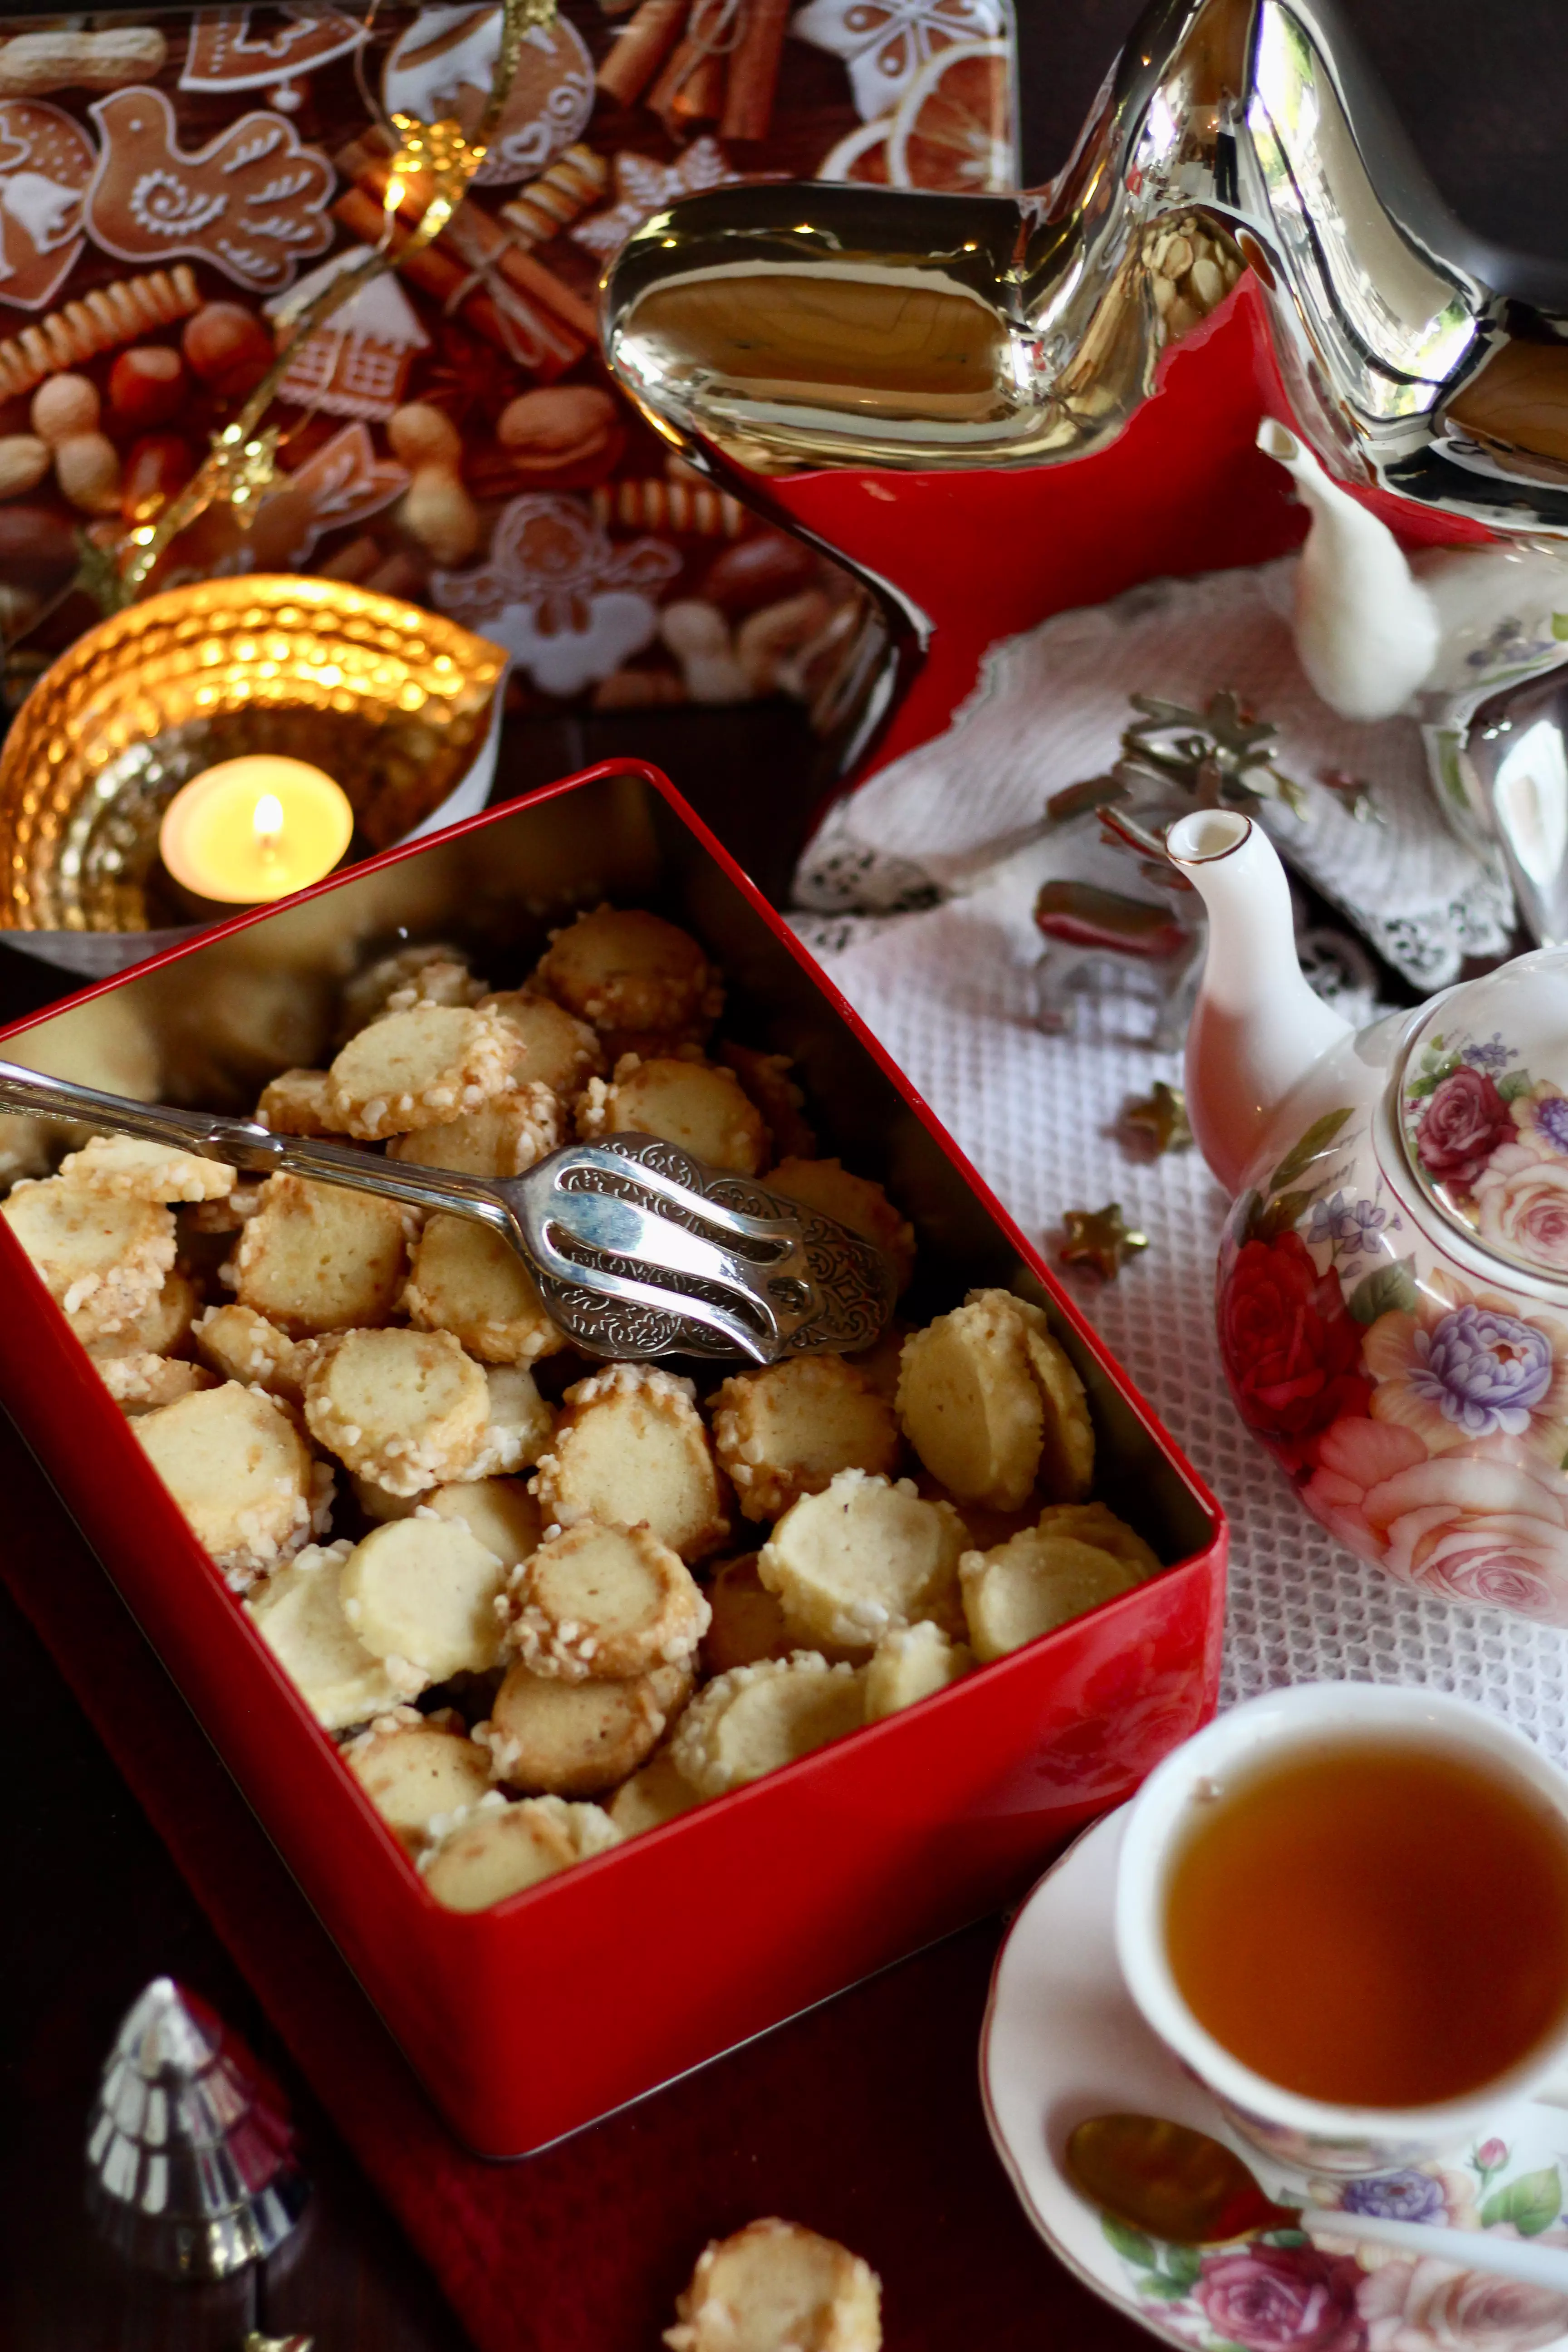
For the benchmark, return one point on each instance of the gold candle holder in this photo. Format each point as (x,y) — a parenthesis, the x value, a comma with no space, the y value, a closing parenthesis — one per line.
(394,702)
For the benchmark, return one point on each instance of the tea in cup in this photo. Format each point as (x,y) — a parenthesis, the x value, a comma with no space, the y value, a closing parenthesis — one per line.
(1345,1906)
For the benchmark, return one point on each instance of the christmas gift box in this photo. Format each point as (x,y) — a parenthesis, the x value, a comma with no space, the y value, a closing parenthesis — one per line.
(176,186)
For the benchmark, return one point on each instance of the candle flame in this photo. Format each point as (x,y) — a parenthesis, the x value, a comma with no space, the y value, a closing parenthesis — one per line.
(268,821)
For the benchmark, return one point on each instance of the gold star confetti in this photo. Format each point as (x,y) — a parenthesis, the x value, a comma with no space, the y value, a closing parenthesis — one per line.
(1159,1120)
(1101,1238)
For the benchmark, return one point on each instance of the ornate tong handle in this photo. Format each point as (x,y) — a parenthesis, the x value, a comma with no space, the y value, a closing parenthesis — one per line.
(244,1143)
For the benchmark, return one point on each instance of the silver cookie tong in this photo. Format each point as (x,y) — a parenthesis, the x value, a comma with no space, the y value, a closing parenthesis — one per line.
(638,1249)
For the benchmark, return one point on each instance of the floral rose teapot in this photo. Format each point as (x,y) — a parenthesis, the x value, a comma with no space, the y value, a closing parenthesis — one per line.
(1393,1277)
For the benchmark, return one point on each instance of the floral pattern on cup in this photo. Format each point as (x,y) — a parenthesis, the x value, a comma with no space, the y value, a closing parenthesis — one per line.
(1424,1417)
(1491,1144)
(1284,2292)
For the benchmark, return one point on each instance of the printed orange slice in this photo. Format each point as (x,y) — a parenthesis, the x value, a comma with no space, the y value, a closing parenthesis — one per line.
(953,127)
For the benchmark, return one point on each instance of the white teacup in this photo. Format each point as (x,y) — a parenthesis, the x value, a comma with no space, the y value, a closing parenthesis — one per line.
(1301,2133)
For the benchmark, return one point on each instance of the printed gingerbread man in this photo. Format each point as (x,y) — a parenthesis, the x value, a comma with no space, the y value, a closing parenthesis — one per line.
(250,202)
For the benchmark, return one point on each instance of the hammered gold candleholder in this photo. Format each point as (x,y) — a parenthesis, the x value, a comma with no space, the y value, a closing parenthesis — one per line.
(394,702)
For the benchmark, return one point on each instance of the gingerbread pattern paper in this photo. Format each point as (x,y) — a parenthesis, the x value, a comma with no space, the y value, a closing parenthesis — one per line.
(173,190)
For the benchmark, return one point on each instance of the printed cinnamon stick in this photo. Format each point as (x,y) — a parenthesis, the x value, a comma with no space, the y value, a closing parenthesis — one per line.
(534,341)
(477,239)
(641,49)
(754,71)
(691,87)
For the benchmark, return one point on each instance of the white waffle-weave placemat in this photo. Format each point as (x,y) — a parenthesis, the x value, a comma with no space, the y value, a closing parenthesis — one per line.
(1035,1114)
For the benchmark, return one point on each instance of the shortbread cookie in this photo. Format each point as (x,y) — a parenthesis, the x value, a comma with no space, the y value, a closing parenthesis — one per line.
(502,1138)
(156,1328)
(471,1281)
(499,1513)
(242,1345)
(747,1621)
(695,1104)
(142,1382)
(299,1615)
(133,1171)
(240,1472)
(103,1259)
(786,1431)
(767,1081)
(573,1740)
(424,1589)
(861,1557)
(852,1201)
(298,1102)
(1034,1584)
(969,1403)
(625,969)
(1097,1524)
(909,1663)
(605,1603)
(408,1409)
(417,1773)
(630,1449)
(518,1427)
(230,1215)
(429,972)
(1067,1440)
(775,2287)
(657,1794)
(558,1050)
(755,1718)
(420,1068)
(320,1257)
(499,1850)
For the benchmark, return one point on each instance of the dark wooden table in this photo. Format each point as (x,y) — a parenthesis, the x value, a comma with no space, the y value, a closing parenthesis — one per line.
(94,1906)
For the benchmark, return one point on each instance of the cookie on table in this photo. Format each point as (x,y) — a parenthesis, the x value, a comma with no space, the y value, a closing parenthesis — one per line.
(299,1613)
(156,1328)
(101,1257)
(864,1557)
(141,1382)
(623,969)
(787,1431)
(1032,1584)
(298,1102)
(558,1050)
(419,1068)
(498,1849)
(518,1426)
(755,1718)
(766,1081)
(241,1345)
(426,1588)
(909,1663)
(469,1281)
(993,1407)
(547,1737)
(852,1201)
(417,1772)
(408,1409)
(131,1170)
(660,1793)
(436,973)
(777,2287)
(502,1138)
(602,1603)
(695,1104)
(321,1257)
(241,1474)
(630,1449)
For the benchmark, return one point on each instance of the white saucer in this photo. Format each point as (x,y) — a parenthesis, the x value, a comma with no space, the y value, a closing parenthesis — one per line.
(1062,2040)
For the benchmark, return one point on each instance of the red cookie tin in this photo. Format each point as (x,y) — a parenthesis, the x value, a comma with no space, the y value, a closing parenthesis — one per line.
(531,2019)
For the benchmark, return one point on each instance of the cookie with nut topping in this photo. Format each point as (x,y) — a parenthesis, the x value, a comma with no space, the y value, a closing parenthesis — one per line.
(321,1257)
(601,1603)
(298,1613)
(789,1430)
(625,970)
(102,1257)
(756,1719)
(419,1068)
(777,2287)
(499,1849)
(863,1557)
(692,1104)
(408,1409)
(630,1449)
(576,1740)
(239,1471)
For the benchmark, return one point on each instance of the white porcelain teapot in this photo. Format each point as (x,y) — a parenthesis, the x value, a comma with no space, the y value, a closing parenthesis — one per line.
(1392,1289)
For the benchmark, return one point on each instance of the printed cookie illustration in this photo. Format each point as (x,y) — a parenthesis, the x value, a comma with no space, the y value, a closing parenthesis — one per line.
(567,605)
(250,202)
(356,362)
(227,50)
(884,43)
(46,162)
(442,66)
(341,483)
(643,187)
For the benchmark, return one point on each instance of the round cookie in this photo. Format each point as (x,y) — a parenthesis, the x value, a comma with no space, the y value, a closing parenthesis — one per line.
(787,1431)
(239,1471)
(416,1773)
(625,969)
(102,1258)
(424,1589)
(755,1718)
(131,1170)
(694,1105)
(436,973)
(630,1449)
(321,1257)
(909,1663)
(969,1404)
(777,2287)
(408,1409)
(863,1557)
(518,1427)
(419,1068)
(1066,1468)
(498,1850)
(156,1328)
(558,1050)
(502,1138)
(1097,1524)
(299,1615)
(142,1382)
(297,1102)
(605,1603)
(573,1740)
(244,1346)
(657,1794)
(471,1281)
(852,1201)
(1034,1584)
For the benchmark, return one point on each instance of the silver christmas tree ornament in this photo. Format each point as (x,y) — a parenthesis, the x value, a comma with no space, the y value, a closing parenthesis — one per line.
(189,2154)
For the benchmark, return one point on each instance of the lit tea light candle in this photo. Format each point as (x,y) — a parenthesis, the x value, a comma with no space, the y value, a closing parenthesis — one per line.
(254,829)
